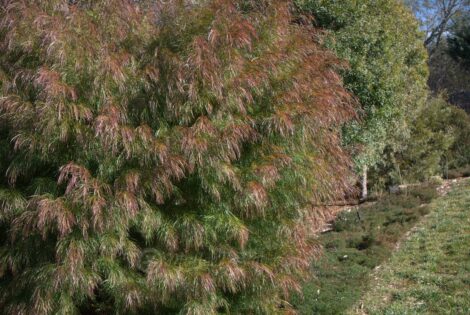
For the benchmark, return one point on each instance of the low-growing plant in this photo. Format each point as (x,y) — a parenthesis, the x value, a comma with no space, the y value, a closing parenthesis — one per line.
(361,239)
(425,193)
(429,273)
(436,180)
(458,172)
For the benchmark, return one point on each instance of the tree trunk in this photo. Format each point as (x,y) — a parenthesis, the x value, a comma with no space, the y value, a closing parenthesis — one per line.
(364,183)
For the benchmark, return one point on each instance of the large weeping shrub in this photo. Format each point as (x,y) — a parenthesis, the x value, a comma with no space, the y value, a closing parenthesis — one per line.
(163,157)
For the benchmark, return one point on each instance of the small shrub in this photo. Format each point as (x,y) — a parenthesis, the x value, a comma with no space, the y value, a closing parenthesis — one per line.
(424,193)
(424,210)
(466,171)
(343,222)
(453,174)
(405,200)
(436,180)
(459,172)
(366,242)
(355,241)
(335,244)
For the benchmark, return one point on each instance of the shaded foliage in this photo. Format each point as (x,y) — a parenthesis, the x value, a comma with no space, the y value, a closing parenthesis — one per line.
(459,44)
(163,157)
(437,18)
(448,76)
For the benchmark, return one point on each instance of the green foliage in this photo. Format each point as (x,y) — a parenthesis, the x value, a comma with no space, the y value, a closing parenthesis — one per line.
(439,142)
(361,240)
(431,138)
(163,158)
(430,273)
(382,43)
(458,155)
(459,44)
(458,172)
(446,75)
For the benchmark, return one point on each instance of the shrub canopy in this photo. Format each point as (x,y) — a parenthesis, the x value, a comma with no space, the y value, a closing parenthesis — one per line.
(440,141)
(163,157)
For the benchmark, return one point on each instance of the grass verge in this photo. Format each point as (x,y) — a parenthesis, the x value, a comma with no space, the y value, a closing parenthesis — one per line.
(361,240)
(430,273)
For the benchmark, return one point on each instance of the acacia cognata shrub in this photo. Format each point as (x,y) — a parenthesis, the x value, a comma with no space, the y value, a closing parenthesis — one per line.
(163,158)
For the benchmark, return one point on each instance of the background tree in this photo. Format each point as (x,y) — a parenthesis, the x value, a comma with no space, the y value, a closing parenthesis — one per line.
(459,43)
(163,158)
(447,75)
(383,45)
(437,17)
(442,20)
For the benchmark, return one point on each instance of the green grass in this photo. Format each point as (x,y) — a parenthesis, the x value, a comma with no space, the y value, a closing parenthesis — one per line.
(430,273)
(360,241)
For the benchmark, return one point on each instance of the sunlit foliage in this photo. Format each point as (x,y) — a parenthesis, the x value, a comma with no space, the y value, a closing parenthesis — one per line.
(163,157)
(388,72)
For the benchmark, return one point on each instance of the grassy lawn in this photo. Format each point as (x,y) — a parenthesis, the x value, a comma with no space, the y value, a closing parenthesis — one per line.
(360,241)
(430,273)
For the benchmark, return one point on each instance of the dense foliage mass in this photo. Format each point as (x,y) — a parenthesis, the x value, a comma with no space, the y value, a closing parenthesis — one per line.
(382,42)
(459,43)
(439,145)
(163,158)
(432,136)
(459,153)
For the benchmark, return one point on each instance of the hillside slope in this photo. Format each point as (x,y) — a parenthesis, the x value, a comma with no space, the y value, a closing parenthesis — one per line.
(360,239)
(430,272)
